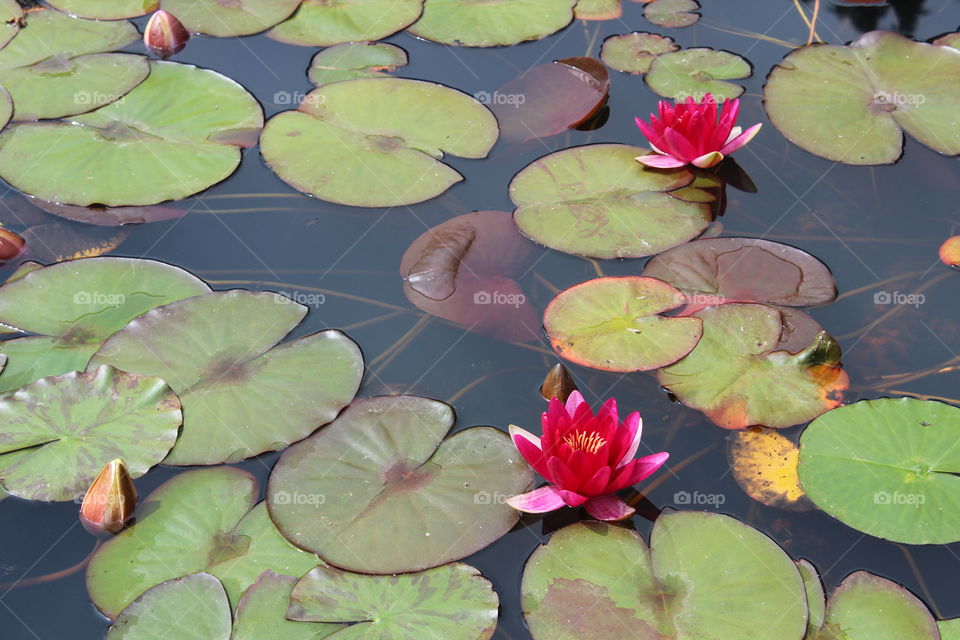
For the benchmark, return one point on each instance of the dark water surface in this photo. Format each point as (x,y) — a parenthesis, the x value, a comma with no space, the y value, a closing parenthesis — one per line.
(877,228)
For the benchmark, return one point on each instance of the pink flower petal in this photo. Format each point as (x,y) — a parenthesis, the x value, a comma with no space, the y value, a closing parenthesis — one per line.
(542,500)
(529,447)
(637,471)
(517,432)
(572,498)
(609,508)
(679,146)
(708,160)
(574,400)
(563,476)
(649,131)
(634,424)
(598,482)
(740,140)
(660,162)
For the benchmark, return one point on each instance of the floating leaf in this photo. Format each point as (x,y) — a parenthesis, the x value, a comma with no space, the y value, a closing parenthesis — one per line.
(377,142)
(199,520)
(263,609)
(11,19)
(100,10)
(672,13)
(949,40)
(229,18)
(59,241)
(697,72)
(74,307)
(6,107)
(614,324)
(739,378)
(320,23)
(59,432)
(704,575)
(493,22)
(453,602)
(110,216)
(816,599)
(382,477)
(241,396)
(166,139)
(888,468)
(764,464)
(193,607)
(598,9)
(355,60)
(850,103)
(949,629)
(634,52)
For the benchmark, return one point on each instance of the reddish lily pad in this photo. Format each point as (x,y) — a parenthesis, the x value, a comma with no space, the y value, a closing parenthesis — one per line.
(697,72)
(739,377)
(262,613)
(597,201)
(598,9)
(635,52)
(193,607)
(672,13)
(100,10)
(227,18)
(355,60)
(614,324)
(382,477)
(61,240)
(492,23)
(241,394)
(321,23)
(110,216)
(949,40)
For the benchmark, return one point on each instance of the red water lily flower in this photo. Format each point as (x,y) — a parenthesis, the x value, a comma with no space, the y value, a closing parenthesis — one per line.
(586,458)
(690,133)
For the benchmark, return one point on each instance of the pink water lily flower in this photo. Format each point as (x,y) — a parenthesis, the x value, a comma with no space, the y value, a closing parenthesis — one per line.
(690,133)
(586,458)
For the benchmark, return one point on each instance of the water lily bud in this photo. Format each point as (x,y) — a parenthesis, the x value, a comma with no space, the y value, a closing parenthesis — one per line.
(950,252)
(558,384)
(165,35)
(11,244)
(110,501)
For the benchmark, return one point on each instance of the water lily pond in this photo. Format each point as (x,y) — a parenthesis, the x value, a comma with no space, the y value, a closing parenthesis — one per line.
(516,319)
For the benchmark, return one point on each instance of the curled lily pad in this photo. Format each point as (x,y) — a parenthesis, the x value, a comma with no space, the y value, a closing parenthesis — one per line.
(11,17)
(634,52)
(60,431)
(614,324)
(764,464)
(355,60)
(100,10)
(382,477)
(700,578)
(72,308)
(230,18)
(492,22)
(202,520)
(262,613)
(816,598)
(453,602)
(739,377)
(851,104)
(598,9)
(110,216)
(597,201)
(241,394)
(672,13)
(167,139)
(377,142)
(193,607)
(697,72)
(949,40)
(320,23)
(888,468)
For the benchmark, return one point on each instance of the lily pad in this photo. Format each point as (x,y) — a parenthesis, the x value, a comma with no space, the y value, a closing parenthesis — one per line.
(377,142)
(635,52)
(816,598)
(493,22)
(764,464)
(738,376)
(59,432)
(598,201)
(614,324)
(225,19)
(851,104)
(700,580)
(197,521)
(11,15)
(888,468)
(453,602)
(598,9)
(382,477)
(110,216)
(949,40)
(949,629)
(697,72)
(241,395)
(263,609)
(167,139)
(100,10)
(672,13)
(72,308)
(320,23)
(6,107)
(193,607)
(61,240)
(355,60)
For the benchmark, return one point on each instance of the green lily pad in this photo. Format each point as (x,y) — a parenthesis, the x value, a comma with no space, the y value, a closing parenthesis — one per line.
(193,607)
(453,602)
(227,18)
(355,60)
(176,134)
(598,9)
(888,468)
(598,201)
(59,432)
(705,577)
(263,609)
(382,477)
(697,72)
(111,10)
(74,307)
(672,13)
(851,104)
(614,324)
(321,23)
(492,23)
(377,142)
(11,14)
(949,40)
(868,607)
(6,107)
(201,520)
(949,629)
(635,52)
(816,599)
(241,394)
(739,376)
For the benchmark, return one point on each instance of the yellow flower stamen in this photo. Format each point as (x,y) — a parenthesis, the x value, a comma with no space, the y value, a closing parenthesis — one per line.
(586,442)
